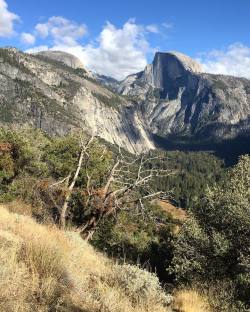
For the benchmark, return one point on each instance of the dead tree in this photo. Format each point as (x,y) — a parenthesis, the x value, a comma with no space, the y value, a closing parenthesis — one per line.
(125,178)
(70,181)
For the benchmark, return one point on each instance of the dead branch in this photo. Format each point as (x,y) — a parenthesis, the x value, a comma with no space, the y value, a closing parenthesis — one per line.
(84,148)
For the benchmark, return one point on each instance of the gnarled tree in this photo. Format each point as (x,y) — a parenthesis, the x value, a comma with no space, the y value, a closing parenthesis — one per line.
(126,182)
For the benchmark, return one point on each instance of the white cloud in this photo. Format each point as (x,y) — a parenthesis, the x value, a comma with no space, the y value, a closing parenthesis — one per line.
(117,52)
(153,28)
(28,38)
(37,49)
(235,61)
(61,30)
(42,30)
(120,51)
(7,20)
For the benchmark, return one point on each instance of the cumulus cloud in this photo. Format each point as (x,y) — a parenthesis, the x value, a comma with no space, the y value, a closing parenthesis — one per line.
(37,49)
(235,61)
(28,38)
(7,20)
(153,28)
(61,30)
(117,52)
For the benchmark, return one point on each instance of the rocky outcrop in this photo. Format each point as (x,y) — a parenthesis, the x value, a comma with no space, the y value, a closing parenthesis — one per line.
(176,98)
(50,95)
(107,81)
(170,98)
(64,57)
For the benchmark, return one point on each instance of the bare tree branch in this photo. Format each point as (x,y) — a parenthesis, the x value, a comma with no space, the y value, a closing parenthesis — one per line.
(84,148)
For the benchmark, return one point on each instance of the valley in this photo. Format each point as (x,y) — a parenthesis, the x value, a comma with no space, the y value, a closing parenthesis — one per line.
(122,196)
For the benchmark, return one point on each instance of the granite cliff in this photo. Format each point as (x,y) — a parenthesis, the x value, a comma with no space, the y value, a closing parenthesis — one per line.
(54,92)
(170,98)
(176,98)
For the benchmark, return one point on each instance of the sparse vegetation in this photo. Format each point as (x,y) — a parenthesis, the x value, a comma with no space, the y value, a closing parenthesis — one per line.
(44,269)
(114,101)
(213,246)
(201,256)
(12,59)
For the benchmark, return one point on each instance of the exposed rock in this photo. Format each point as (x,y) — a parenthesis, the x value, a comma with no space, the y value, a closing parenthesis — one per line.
(176,98)
(170,98)
(56,98)
(64,57)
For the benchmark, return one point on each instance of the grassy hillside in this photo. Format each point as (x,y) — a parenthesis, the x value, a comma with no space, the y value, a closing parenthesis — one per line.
(45,269)
(50,267)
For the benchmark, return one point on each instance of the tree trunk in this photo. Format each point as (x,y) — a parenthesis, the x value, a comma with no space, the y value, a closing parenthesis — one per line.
(70,189)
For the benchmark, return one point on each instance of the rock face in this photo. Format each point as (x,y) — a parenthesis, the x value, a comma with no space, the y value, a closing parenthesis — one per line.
(176,98)
(66,58)
(107,81)
(170,98)
(47,93)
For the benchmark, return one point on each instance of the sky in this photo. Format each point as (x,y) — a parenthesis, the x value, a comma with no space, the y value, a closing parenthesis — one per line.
(118,38)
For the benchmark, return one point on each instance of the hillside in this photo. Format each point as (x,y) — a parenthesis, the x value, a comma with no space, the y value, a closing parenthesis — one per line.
(45,269)
(171,104)
(42,90)
(199,253)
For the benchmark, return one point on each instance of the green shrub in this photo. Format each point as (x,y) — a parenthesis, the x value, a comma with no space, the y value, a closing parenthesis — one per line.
(214,244)
(138,237)
(27,149)
(140,284)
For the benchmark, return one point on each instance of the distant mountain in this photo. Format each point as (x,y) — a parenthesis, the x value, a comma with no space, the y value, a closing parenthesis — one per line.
(171,103)
(53,91)
(176,99)
(64,57)
(107,81)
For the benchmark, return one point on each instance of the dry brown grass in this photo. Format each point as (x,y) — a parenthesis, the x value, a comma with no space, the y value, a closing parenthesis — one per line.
(190,301)
(20,207)
(44,269)
(175,212)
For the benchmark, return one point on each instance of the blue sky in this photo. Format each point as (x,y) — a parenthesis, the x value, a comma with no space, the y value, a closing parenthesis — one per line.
(119,37)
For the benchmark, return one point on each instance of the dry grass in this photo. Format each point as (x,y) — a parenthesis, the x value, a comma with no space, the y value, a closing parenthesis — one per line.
(44,269)
(20,207)
(190,301)
(175,212)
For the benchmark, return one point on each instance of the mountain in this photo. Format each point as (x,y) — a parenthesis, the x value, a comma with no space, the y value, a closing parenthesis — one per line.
(53,91)
(64,57)
(177,100)
(107,81)
(171,103)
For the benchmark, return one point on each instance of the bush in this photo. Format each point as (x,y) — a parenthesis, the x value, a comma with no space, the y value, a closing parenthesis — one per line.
(214,244)
(27,149)
(137,237)
(140,285)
